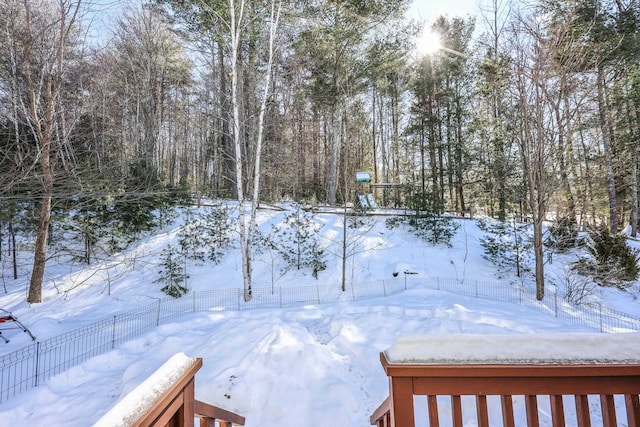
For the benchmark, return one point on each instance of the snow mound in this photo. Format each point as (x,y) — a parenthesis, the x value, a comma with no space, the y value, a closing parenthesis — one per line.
(539,348)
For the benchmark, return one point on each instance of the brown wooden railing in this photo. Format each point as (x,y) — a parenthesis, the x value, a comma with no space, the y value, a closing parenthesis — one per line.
(447,385)
(208,416)
(177,407)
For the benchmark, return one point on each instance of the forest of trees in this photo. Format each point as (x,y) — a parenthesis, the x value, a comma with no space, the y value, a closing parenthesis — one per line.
(530,108)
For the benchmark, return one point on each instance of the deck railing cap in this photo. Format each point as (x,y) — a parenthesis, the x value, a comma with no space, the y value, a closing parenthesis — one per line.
(533,348)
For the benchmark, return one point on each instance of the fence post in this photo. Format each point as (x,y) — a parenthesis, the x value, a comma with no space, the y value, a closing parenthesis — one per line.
(280,296)
(158,314)
(37,367)
(555,301)
(405,282)
(520,291)
(600,312)
(438,282)
(113,333)
(384,289)
(476,289)
(194,301)
(318,293)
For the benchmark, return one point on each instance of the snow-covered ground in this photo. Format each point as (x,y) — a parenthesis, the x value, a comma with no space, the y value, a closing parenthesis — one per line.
(317,364)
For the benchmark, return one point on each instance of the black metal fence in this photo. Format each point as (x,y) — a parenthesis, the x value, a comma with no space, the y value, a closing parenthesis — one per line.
(34,364)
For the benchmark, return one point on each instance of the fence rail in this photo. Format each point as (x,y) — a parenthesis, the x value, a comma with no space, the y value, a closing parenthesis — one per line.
(34,364)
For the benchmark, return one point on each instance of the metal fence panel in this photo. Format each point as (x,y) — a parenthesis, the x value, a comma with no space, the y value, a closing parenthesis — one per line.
(36,363)
(17,371)
(217,300)
(134,323)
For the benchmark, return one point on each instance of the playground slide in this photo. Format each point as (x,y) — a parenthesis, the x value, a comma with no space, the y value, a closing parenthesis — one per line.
(362,199)
(370,201)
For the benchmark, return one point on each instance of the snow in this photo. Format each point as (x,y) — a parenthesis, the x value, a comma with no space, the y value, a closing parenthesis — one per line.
(316,364)
(540,348)
(137,402)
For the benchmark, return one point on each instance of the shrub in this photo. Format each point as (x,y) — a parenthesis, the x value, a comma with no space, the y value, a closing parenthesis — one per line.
(427,221)
(506,245)
(563,234)
(578,290)
(296,240)
(434,228)
(612,261)
(206,235)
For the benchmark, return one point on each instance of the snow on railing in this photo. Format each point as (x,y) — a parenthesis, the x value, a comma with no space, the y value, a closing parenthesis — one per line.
(563,379)
(141,399)
(167,398)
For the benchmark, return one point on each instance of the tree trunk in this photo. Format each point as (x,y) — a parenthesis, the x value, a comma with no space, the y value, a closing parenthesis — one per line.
(40,247)
(373,134)
(245,249)
(539,257)
(606,143)
(226,143)
(334,148)
(275,17)
(634,169)
(431,111)
(247,223)
(458,158)
(14,254)
(564,174)
(423,179)
(395,136)
(634,190)
(384,155)
(43,91)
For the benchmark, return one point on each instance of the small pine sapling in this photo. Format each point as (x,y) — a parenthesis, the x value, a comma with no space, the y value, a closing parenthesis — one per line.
(427,221)
(296,240)
(506,245)
(172,273)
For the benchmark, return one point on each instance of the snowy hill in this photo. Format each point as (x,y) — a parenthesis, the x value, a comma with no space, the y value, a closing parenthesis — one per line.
(301,365)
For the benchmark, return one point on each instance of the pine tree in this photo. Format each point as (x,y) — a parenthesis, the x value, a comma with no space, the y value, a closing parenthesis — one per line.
(172,273)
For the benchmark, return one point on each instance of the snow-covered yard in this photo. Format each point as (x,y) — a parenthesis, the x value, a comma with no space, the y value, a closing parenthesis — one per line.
(315,364)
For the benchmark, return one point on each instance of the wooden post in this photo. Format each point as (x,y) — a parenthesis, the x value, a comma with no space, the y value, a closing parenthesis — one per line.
(402,414)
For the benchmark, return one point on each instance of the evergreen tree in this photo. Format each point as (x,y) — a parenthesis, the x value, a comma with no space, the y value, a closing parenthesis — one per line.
(296,241)
(172,273)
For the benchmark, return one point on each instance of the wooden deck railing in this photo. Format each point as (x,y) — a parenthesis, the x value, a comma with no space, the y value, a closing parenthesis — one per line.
(568,394)
(175,406)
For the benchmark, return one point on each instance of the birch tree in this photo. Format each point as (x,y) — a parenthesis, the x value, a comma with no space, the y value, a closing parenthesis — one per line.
(247,214)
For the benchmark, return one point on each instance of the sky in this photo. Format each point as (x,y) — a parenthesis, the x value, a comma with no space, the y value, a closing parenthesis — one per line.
(315,364)
(428,11)
(431,9)
(420,9)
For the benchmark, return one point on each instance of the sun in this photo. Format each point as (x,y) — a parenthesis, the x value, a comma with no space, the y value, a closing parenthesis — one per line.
(428,42)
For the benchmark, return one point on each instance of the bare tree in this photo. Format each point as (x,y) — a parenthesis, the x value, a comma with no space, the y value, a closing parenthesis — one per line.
(540,132)
(42,42)
(147,66)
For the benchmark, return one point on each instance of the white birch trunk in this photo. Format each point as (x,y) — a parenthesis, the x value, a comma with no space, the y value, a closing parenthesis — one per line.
(247,214)
(273,26)
(245,250)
